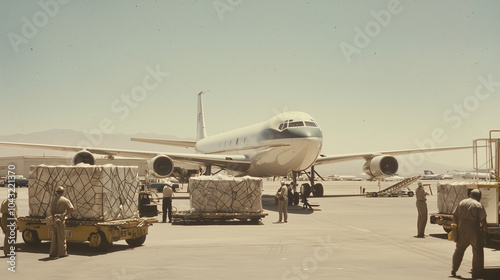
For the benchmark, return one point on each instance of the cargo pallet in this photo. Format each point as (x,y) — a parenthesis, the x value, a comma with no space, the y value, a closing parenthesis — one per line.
(186,217)
(100,234)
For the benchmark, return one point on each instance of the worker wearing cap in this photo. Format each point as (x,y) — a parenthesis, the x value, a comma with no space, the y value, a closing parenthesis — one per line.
(282,196)
(60,208)
(168,193)
(469,216)
(420,194)
(7,218)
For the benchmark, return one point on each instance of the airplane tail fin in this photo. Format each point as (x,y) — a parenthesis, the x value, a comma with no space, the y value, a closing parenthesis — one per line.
(200,132)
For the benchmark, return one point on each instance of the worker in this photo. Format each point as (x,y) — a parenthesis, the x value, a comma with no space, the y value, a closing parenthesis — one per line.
(8,216)
(282,196)
(168,193)
(421,196)
(60,208)
(469,216)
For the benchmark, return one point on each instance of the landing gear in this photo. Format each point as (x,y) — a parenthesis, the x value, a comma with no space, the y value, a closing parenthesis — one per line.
(317,189)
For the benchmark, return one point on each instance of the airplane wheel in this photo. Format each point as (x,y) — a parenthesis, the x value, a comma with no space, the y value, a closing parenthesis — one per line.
(296,198)
(305,189)
(318,190)
(290,197)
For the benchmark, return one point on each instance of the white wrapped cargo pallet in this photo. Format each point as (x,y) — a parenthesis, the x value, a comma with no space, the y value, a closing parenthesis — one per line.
(225,194)
(98,192)
(449,195)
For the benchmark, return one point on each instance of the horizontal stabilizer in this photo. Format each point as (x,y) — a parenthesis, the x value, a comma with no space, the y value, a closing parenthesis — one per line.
(178,143)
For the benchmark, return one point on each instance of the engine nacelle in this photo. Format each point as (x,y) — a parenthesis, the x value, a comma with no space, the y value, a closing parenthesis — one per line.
(83,156)
(161,166)
(381,166)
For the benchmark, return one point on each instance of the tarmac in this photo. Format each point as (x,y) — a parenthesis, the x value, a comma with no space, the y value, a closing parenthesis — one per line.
(347,236)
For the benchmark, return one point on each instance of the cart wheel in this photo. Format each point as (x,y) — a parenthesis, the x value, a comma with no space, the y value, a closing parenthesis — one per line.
(98,241)
(30,237)
(136,242)
(410,193)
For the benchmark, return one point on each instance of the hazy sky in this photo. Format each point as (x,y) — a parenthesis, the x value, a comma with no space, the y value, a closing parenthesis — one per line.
(376,75)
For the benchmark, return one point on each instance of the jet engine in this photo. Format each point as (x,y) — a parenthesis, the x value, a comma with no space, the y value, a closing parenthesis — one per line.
(161,166)
(381,166)
(83,156)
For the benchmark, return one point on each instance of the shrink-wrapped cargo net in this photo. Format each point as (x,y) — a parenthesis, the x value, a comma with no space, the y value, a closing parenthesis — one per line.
(449,195)
(98,192)
(225,194)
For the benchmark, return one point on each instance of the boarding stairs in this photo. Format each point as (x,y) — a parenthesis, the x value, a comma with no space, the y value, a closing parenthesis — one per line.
(396,188)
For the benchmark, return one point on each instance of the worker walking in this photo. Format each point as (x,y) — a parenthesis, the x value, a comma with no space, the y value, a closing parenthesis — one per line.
(60,208)
(282,196)
(168,193)
(8,216)
(421,196)
(469,216)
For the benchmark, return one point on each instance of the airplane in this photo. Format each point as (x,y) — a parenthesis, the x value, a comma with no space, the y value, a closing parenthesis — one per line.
(429,175)
(287,144)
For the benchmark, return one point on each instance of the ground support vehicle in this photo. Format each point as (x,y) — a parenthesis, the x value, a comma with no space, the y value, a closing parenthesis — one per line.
(186,217)
(99,234)
(486,157)
(396,189)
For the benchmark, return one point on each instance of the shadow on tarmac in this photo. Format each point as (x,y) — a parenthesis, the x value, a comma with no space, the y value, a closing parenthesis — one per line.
(268,204)
(74,248)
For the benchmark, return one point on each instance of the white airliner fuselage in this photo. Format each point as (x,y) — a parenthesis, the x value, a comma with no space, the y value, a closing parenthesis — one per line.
(287,142)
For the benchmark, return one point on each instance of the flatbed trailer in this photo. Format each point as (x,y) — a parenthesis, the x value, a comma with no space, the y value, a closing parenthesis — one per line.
(445,220)
(99,234)
(187,217)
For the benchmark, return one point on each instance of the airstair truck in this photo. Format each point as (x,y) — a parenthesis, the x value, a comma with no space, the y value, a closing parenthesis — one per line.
(486,155)
(105,198)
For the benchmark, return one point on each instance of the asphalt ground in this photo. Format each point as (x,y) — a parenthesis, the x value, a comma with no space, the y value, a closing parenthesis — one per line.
(345,237)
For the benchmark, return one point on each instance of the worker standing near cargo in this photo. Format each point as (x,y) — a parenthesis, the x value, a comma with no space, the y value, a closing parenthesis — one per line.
(168,193)
(6,219)
(469,217)
(421,196)
(60,208)
(282,195)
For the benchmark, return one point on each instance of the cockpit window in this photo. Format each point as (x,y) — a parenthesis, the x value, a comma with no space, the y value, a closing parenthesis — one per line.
(311,124)
(296,124)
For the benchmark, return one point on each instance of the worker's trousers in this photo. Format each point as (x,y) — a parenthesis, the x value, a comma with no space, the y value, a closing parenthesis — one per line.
(422,217)
(58,240)
(468,233)
(283,210)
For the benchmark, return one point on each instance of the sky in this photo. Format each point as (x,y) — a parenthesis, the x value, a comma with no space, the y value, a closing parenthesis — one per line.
(376,75)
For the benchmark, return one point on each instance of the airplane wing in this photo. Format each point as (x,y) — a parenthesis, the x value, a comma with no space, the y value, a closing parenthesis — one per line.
(235,161)
(178,143)
(366,156)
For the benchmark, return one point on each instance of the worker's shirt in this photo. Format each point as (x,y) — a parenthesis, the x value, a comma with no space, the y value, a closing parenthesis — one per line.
(284,192)
(167,192)
(420,194)
(470,210)
(469,215)
(4,209)
(60,204)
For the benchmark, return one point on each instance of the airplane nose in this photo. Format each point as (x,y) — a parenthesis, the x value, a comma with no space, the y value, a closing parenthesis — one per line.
(303,132)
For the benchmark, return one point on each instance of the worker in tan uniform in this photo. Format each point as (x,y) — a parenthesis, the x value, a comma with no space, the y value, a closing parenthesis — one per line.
(8,217)
(282,195)
(60,208)
(421,196)
(168,193)
(470,217)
